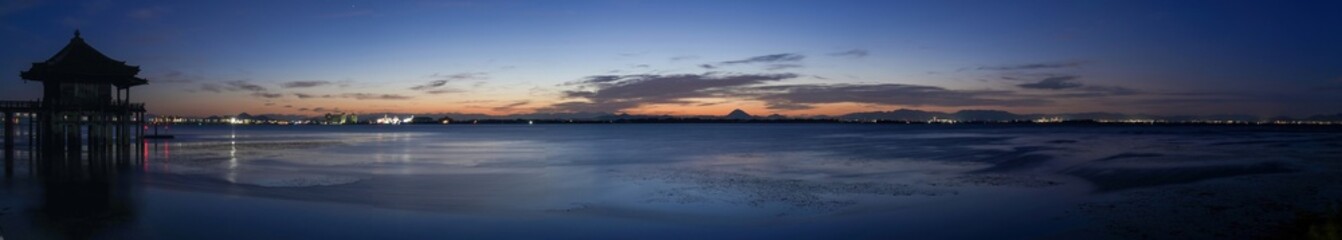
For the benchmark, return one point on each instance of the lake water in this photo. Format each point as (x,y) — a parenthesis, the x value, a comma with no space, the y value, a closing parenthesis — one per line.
(678,181)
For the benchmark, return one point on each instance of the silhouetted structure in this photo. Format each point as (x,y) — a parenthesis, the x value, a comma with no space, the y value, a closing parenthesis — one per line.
(85,105)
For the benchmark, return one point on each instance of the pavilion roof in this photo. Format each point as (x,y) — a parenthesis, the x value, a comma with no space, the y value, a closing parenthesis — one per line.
(81,63)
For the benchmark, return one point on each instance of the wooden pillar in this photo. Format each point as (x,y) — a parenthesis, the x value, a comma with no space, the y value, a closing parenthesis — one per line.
(32,138)
(49,133)
(139,120)
(9,144)
(116,134)
(73,147)
(102,137)
(103,160)
(107,140)
(58,139)
(40,124)
(32,142)
(122,127)
(94,138)
(93,156)
(9,135)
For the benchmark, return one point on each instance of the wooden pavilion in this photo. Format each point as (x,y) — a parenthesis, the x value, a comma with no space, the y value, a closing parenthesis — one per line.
(85,110)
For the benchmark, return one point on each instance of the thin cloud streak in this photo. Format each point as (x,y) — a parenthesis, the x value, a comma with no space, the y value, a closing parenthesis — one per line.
(776,59)
(1053,83)
(305,84)
(1034,66)
(855,53)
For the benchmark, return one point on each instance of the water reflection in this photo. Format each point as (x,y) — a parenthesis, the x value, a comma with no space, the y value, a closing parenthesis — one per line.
(81,208)
(69,195)
(777,179)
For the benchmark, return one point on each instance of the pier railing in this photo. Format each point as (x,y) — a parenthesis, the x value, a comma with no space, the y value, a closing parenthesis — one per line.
(33,106)
(19,106)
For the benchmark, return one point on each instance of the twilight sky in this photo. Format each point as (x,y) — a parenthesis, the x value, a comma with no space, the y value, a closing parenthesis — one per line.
(700,57)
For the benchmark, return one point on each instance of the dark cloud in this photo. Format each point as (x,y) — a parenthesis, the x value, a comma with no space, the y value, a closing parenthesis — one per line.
(360,96)
(599,79)
(442,80)
(305,84)
(856,53)
(371,96)
(686,57)
(1053,83)
(511,106)
(1111,90)
(1033,66)
(174,76)
(782,57)
(1065,86)
(430,85)
(782,66)
(462,76)
(241,85)
(777,59)
(1098,91)
(321,110)
(267,95)
(588,107)
(609,93)
(709,104)
(210,87)
(238,86)
(802,96)
(787,106)
(442,91)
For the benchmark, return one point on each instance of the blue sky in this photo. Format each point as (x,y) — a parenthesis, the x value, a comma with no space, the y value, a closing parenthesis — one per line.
(701,57)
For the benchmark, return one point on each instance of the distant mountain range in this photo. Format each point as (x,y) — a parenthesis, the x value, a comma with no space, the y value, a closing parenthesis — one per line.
(894,115)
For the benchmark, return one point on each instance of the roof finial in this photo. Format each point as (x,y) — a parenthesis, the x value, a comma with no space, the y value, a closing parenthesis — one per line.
(76,33)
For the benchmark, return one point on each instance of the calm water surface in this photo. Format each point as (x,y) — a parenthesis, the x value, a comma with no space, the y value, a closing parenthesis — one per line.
(681,181)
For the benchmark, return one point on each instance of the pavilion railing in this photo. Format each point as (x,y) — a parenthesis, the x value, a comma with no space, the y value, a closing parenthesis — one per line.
(20,105)
(31,106)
